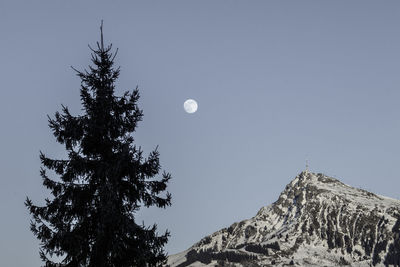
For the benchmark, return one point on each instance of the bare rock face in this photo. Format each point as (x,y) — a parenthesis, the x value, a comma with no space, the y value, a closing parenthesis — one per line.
(316,221)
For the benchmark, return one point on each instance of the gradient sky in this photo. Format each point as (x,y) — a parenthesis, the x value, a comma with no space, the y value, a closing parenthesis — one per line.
(276,82)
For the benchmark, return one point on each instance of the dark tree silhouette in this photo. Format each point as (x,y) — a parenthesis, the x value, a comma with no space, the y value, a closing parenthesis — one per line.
(90,220)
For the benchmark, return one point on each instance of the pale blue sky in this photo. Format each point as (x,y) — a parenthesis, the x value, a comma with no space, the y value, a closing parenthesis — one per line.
(276,81)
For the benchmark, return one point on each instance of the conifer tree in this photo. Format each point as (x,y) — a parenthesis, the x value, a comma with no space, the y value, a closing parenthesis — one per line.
(90,218)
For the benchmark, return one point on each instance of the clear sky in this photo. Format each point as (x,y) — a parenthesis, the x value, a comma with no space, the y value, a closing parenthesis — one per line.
(276,82)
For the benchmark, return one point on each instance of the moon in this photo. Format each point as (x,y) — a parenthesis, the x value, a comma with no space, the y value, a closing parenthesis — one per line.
(190,106)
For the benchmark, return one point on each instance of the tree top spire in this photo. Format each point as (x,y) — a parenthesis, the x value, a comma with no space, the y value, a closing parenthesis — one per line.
(101,33)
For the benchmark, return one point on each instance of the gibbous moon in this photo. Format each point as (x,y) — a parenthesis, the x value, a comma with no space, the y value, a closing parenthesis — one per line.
(190,106)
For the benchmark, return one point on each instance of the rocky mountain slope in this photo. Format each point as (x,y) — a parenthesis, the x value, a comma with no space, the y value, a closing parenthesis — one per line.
(317,221)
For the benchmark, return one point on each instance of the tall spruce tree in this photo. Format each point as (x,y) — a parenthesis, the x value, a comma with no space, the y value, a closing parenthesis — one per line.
(90,219)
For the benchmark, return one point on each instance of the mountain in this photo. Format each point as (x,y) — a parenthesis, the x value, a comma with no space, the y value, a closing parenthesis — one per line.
(316,221)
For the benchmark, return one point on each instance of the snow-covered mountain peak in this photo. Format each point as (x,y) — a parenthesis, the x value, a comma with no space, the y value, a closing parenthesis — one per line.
(316,221)
(310,187)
